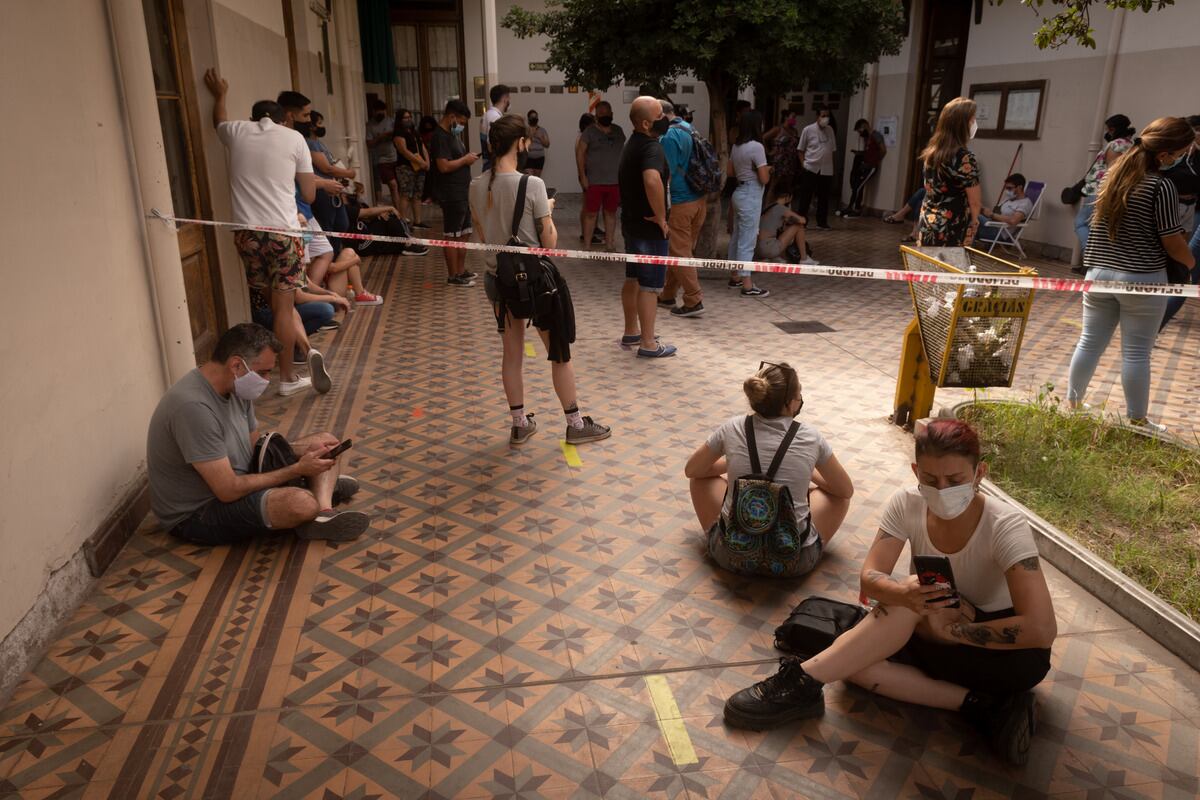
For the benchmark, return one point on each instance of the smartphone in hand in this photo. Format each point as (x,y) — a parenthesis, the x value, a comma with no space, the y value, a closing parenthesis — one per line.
(935,571)
(338,449)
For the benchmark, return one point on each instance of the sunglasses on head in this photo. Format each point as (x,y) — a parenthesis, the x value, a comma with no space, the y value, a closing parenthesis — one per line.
(762,365)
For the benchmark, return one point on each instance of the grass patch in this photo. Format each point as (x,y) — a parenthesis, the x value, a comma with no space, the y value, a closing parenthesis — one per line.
(1131,500)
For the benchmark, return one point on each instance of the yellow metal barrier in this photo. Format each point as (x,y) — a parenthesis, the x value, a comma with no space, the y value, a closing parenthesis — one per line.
(962,336)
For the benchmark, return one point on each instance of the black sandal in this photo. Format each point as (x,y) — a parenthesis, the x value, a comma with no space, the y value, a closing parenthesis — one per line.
(909,240)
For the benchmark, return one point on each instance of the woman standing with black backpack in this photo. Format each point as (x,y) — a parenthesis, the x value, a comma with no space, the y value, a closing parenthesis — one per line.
(493,197)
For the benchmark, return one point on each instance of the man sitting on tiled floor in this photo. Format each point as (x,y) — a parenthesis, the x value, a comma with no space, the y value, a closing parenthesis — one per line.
(200,449)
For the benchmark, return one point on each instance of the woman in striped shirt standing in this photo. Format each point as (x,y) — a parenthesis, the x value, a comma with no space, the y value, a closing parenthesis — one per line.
(1135,228)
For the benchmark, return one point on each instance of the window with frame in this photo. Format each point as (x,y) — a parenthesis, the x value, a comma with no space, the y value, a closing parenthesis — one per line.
(1009,110)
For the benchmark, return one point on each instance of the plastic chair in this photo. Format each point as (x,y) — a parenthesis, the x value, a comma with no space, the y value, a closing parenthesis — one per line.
(1010,235)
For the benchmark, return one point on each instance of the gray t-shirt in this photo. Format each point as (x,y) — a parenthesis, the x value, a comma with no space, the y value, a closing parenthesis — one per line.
(772,220)
(809,449)
(603,157)
(497,218)
(193,423)
(747,158)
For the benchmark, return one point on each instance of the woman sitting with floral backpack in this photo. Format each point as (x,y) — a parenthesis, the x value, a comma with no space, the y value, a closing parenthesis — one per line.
(750,530)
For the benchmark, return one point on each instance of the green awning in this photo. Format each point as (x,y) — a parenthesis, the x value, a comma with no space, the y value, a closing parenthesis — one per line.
(375,34)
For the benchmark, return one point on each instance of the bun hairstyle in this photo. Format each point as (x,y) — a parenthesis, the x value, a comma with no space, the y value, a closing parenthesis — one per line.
(771,389)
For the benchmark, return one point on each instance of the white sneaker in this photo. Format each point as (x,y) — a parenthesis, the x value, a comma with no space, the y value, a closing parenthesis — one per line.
(317,372)
(288,388)
(1148,426)
(809,261)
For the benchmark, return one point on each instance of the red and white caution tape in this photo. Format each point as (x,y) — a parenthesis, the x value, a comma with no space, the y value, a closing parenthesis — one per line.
(900,275)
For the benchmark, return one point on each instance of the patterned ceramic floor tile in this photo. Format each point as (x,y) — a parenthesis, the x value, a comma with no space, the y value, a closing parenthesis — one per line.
(493,632)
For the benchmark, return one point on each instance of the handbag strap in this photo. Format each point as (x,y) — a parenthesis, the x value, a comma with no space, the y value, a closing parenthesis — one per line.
(783,448)
(519,208)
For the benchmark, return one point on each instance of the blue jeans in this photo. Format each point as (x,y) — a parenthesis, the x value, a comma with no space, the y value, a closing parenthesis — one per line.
(747,208)
(1139,317)
(313,315)
(1176,303)
(650,277)
(1083,221)
(914,203)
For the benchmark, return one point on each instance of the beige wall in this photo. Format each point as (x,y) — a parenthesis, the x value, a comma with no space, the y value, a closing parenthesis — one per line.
(80,358)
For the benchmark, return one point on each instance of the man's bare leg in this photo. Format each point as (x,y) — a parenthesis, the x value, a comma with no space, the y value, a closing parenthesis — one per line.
(283,307)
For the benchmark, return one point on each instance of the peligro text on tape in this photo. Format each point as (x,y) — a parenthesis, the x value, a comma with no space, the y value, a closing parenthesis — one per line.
(820,270)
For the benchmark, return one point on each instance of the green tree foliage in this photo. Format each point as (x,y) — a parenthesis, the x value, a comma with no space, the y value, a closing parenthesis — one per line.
(773,45)
(1073,23)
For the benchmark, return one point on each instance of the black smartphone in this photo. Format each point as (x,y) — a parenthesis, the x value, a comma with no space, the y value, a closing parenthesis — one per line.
(935,571)
(550,193)
(338,450)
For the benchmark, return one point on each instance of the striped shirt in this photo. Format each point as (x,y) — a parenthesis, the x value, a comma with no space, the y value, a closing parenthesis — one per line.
(1152,213)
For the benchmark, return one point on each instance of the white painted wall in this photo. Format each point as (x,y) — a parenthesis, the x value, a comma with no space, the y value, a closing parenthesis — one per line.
(80,354)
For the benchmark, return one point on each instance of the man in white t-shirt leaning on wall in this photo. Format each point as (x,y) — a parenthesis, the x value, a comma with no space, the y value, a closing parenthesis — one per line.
(267,163)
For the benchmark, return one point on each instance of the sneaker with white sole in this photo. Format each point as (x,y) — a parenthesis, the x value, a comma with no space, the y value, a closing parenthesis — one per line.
(521,433)
(368,299)
(460,281)
(756,291)
(591,431)
(289,388)
(688,311)
(331,325)
(335,526)
(317,372)
(345,488)
(1147,426)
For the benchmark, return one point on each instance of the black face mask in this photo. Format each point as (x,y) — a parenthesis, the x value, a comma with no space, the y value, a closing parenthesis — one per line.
(320,131)
(1108,137)
(407,123)
(377,117)
(604,121)
(533,120)
(660,126)
(303,128)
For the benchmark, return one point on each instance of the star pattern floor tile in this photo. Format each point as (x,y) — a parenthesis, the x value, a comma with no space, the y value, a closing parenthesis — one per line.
(493,632)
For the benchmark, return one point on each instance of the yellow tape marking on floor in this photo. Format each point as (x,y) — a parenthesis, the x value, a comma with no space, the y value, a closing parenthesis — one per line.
(570,454)
(669,722)
(1072,321)
(529,351)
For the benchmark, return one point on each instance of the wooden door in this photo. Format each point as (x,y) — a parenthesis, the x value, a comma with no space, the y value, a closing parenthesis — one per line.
(943,55)
(178,115)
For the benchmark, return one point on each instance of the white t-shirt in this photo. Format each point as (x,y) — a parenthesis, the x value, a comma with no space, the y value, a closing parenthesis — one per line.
(747,158)
(1001,540)
(497,220)
(808,450)
(489,117)
(264,159)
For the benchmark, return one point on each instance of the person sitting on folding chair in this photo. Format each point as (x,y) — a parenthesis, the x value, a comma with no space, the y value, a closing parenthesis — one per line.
(1014,209)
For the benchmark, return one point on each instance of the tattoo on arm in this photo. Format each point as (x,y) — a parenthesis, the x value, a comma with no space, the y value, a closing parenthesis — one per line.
(982,635)
(880,611)
(539,225)
(1030,564)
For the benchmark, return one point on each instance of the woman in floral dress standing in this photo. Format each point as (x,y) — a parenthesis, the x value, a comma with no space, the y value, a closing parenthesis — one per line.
(953,199)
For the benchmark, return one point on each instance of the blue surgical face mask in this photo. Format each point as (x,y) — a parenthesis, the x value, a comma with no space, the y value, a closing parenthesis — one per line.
(456,129)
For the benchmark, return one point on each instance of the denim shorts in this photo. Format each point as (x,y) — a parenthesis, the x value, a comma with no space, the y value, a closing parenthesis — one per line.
(650,277)
(226,523)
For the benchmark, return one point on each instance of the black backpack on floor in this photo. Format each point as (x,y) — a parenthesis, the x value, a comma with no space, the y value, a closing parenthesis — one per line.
(391,225)
(815,624)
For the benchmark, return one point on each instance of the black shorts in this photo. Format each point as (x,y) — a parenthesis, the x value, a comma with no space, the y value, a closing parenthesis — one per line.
(226,523)
(992,671)
(456,219)
(535,163)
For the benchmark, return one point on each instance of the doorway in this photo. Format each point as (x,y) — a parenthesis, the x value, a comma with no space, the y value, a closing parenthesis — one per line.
(429,66)
(178,116)
(946,26)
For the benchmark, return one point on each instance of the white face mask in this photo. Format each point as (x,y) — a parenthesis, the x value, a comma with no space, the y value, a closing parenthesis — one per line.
(1009,194)
(948,503)
(251,385)
(823,122)
(974,129)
